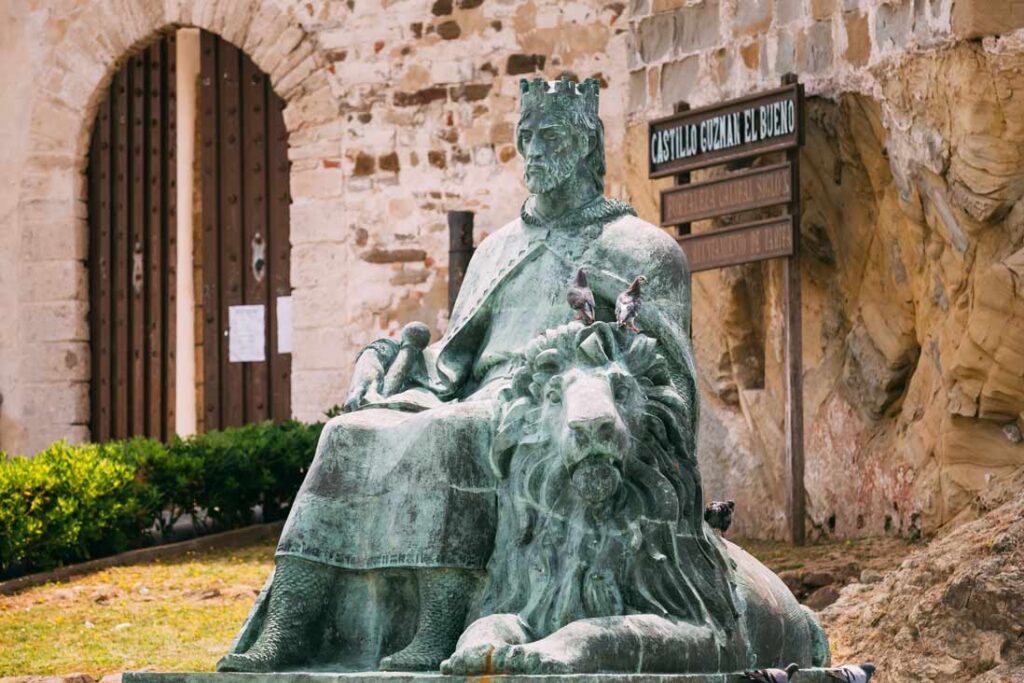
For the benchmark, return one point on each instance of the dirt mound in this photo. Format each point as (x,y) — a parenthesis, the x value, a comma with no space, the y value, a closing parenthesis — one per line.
(952,611)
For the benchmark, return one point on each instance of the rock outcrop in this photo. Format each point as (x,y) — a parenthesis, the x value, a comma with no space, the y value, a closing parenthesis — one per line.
(952,611)
(913,281)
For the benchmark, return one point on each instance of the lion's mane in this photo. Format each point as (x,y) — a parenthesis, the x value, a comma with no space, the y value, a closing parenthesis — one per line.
(646,550)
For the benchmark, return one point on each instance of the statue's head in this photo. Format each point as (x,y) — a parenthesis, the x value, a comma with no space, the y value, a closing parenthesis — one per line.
(602,502)
(560,135)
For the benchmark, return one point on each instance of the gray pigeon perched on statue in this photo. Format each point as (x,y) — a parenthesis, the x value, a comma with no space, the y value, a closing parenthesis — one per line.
(627,305)
(580,298)
(853,674)
(771,675)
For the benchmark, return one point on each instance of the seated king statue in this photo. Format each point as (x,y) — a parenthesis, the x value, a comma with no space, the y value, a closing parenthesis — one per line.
(522,495)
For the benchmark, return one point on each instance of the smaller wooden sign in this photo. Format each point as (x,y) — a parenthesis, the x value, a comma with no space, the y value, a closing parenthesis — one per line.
(738,244)
(753,189)
(728,131)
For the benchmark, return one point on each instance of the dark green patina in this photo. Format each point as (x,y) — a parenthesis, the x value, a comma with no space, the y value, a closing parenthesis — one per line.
(523,496)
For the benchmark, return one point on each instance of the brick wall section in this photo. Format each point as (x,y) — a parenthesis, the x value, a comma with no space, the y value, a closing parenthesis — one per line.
(397,112)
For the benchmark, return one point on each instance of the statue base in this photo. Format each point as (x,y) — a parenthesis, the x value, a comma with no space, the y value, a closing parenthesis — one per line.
(802,676)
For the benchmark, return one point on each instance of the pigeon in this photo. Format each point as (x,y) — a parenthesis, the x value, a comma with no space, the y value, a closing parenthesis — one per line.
(718,514)
(853,674)
(580,298)
(771,675)
(627,306)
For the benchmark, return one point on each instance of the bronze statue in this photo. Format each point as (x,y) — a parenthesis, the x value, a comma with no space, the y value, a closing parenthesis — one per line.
(425,482)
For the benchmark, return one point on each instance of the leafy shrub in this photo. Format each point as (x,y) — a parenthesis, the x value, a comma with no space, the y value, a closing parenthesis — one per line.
(71,503)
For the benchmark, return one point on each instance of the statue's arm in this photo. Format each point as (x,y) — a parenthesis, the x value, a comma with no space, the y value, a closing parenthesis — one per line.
(371,365)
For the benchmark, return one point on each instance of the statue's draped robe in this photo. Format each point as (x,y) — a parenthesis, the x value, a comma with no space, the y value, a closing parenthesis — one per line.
(406,482)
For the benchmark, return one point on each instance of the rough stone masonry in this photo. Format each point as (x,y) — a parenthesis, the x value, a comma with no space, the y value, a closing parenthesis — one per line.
(399,110)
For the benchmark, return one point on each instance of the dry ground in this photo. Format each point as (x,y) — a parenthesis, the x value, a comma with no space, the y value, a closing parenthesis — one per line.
(180,615)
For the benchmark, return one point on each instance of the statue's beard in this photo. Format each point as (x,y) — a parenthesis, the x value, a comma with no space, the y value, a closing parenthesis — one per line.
(544,176)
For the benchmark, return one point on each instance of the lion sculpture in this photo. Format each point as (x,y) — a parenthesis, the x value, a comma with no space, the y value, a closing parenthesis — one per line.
(602,560)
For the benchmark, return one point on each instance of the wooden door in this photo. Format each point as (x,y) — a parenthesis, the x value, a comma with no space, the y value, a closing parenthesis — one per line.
(131,262)
(244,236)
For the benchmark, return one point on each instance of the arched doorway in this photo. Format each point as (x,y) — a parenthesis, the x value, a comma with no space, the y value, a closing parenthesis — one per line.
(236,275)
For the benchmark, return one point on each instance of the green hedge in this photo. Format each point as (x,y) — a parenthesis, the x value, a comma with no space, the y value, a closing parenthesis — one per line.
(73,503)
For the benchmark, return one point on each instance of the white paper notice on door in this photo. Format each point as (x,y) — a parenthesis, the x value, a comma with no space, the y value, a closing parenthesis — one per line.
(284,324)
(247,336)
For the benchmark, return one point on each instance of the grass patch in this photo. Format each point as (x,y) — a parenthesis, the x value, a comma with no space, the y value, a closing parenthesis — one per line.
(171,615)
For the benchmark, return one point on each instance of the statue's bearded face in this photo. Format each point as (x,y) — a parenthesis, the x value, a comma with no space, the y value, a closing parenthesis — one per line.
(551,150)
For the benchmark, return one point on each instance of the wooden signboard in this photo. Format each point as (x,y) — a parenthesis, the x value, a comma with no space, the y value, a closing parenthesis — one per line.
(744,243)
(728,131)
(738,133)
(754,189)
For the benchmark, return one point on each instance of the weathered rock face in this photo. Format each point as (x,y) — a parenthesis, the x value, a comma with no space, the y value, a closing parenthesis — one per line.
(912,236)
(950,612)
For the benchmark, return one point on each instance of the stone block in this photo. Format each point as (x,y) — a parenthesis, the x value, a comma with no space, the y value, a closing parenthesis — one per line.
(751,54)
(787,11)
(892,25)
(321,348)
(313,392)
(519,64)
(819,47)
(858,38)
(977,18)
(53,322)
(639,8)
(697,27)
(316,183)
(61,239)
(52,281)
(822,9)
(678,79)
(637,89)
(55,362)
(655,35)
(319,264)
(659,6)
(51,184)
(38,439)
(752,16)
(291,81)
(55,403)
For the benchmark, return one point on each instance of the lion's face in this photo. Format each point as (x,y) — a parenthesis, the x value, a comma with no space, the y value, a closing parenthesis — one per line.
(590,413)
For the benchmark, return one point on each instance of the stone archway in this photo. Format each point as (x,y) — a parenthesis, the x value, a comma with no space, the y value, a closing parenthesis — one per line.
(51,383)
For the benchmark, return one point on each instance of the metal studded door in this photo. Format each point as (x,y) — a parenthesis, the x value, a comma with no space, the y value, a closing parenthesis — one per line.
(131,263)
(246,303)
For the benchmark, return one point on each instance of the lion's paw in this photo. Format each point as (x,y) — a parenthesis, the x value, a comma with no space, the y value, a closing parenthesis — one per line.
(470,661)
(528,659)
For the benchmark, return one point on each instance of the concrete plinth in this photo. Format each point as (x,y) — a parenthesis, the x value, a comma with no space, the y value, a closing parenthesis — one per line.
(803,676)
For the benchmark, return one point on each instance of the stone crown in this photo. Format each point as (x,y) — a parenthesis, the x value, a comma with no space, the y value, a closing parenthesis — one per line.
(563,94)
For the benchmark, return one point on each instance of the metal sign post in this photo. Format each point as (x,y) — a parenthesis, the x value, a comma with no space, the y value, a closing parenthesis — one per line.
(735,133)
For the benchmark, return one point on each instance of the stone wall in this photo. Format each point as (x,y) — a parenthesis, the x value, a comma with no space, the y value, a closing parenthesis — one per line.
(399,110)
(912,233)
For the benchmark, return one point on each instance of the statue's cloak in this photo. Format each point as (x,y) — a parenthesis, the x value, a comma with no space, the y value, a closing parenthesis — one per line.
(405,482)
